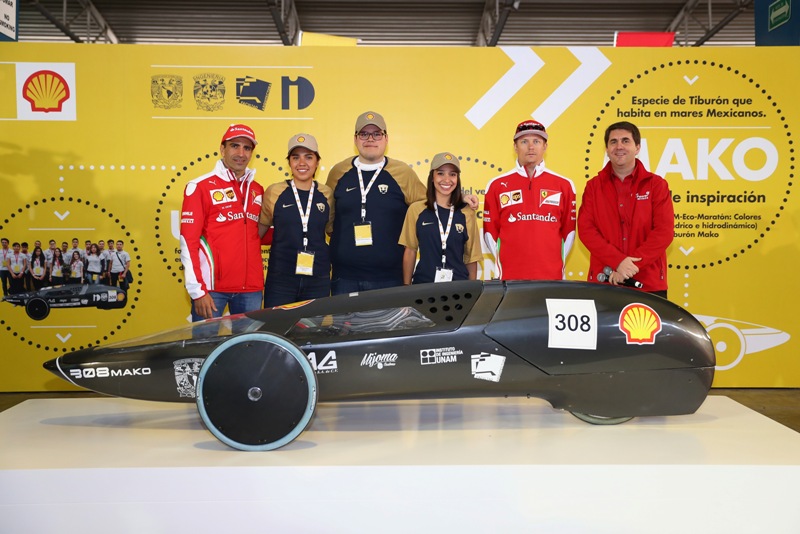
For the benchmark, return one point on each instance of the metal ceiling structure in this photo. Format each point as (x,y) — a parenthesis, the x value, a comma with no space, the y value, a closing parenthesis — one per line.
(385,22)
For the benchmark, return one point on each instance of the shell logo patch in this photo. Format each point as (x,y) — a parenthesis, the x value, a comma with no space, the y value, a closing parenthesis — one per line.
(370,116)
(46,91)
(301,139)
(448,157)
(220,196)
(510,198)
(639,323)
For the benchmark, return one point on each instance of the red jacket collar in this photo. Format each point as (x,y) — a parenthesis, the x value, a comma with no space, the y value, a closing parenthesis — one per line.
(639,172)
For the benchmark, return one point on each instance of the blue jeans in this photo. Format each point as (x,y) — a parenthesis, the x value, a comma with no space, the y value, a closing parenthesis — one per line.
(341,286)
(236,303)
(282,289)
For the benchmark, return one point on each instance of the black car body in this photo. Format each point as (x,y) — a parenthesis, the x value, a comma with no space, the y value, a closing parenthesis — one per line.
(39,303)
(604,353)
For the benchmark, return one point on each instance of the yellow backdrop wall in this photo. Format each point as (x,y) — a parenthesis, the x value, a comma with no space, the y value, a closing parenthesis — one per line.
(98,142)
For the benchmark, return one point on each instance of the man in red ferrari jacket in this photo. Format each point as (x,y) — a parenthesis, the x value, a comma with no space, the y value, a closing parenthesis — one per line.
(626,219)
(529,212)
(220,246)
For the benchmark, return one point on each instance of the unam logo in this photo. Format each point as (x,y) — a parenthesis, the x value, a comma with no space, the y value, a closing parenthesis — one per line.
(166,90)
(186,372)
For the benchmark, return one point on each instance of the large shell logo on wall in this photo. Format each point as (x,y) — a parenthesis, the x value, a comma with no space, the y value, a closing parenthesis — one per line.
(46,91)
(639,323)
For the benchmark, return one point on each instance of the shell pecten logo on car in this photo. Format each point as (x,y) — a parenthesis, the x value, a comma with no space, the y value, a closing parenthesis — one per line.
(639,323)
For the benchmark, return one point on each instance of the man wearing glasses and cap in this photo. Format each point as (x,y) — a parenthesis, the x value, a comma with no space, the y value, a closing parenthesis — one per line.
(220,244)
(372,193)
(529,213)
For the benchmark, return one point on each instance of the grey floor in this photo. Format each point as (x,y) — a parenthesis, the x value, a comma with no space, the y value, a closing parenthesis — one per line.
(781,405)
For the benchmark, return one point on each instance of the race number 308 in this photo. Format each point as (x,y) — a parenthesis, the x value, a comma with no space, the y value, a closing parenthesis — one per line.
(572,324)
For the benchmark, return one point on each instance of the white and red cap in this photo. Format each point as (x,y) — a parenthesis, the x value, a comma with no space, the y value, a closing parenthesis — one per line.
(530,127)
(239,130)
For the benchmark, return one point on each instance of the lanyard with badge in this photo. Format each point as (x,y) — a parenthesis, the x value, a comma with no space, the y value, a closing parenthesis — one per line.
(38,270)
(363,230)
(443,274)
(16,263)
(305,258)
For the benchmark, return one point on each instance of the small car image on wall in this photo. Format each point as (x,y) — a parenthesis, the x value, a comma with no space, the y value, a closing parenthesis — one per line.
(38,303)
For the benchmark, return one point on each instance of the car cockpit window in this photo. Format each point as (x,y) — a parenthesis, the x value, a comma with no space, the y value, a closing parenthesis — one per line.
(360,322)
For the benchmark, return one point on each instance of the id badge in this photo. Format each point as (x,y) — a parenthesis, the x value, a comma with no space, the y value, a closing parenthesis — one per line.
(305,263)
(38,271)
(363,233)
(443,275)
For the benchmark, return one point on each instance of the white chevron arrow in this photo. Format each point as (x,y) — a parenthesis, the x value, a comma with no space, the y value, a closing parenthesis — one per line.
(593,64)
(64,339)
(691,81)
(526,65)
(62,217)
(686,252)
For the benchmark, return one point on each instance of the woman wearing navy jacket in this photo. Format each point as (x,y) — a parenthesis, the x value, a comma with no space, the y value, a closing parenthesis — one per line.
(301,212)
(442,228)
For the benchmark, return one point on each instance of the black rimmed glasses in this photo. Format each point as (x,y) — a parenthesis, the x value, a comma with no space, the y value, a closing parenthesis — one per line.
(364,136)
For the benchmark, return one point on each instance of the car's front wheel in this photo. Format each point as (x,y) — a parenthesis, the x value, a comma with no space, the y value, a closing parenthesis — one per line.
(37,309)
(256,392)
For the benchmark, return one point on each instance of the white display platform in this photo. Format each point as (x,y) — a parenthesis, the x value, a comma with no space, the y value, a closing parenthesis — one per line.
(111,465)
